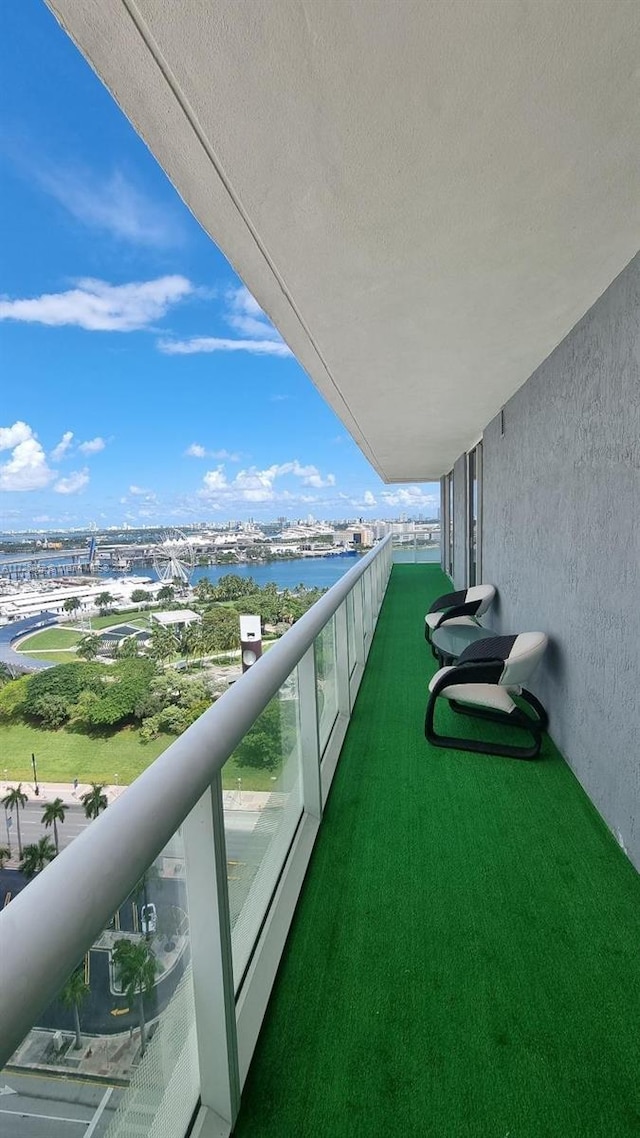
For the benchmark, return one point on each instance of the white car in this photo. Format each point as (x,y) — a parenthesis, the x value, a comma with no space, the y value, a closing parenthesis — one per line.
(148,919)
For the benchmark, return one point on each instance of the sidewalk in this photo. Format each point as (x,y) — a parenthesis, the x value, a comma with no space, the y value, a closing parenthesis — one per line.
(48,791)
(232,799)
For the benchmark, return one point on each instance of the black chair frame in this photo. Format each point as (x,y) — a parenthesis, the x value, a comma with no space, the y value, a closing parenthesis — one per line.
(487,672)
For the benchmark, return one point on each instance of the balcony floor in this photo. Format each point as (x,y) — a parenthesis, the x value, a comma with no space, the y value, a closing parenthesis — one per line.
(465,959)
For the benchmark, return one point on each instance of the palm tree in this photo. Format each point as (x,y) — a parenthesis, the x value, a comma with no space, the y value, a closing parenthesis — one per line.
(71,604)
(103,600)
(5,854)
(53,813)
(140,888)
(135,967)
(73,995)
(88,646)
(15,800)
(94,800)
(36,856)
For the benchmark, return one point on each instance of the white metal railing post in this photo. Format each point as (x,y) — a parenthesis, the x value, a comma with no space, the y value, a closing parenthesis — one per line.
(309,735)
(342,660)
(211,954)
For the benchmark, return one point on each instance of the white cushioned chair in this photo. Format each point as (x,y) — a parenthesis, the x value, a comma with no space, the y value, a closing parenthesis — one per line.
(462,607)
(482,684)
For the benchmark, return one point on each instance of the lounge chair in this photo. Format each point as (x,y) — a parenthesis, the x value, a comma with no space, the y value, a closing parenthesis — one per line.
(482,684)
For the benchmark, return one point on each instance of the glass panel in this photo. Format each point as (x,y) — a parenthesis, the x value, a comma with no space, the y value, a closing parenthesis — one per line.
(368,616)
(451,544)
(262,807)
(351,642)
(473,517)
(326,681)
(122,1031)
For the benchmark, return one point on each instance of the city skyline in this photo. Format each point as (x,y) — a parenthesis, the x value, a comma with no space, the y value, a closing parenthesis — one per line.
(144,385)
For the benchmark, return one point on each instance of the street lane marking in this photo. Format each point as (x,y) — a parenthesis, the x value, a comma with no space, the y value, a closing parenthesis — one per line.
(6,1090)
(47,1117)
(116,921)
(7,898)
(134,911)
(87,967)
(99,1109)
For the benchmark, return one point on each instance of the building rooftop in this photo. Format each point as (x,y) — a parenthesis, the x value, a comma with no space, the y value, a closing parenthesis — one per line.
(177,616)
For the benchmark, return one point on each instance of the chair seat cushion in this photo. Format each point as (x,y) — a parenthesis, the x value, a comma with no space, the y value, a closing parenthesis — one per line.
(432,618)
(478,695)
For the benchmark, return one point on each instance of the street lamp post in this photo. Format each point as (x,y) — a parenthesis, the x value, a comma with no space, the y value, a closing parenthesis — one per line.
(8,823)
(35,775)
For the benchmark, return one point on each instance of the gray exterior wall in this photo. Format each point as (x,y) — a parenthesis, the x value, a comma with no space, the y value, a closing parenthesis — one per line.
(460,522)
(561,540)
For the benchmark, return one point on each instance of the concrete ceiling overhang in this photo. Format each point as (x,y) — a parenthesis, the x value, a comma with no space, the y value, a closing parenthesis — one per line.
(424,195)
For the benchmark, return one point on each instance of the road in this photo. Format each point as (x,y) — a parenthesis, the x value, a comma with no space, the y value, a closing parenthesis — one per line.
(31,827)
(32,1106)
(238,825)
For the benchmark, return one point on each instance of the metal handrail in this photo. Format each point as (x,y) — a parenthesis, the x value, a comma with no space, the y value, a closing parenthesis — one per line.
(48,927)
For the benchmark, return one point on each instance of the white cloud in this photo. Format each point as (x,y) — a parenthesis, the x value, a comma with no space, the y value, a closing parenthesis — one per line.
(138,490)
(92,446)
(101,307)
(257,486)
(62,447)
(412,497)
(11,436)
(244,315)
(225,455)
(198,451)
(112,204)
(217,344)
(369,499)
(27,468)
(73,483)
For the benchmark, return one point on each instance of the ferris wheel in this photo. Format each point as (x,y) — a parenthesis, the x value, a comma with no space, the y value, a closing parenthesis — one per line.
(173,558)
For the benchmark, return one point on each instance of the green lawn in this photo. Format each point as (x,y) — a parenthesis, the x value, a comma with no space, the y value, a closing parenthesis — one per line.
(139,617)
(65,755)
(50,638)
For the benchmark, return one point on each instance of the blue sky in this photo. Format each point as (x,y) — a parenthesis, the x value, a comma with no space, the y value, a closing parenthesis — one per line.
(141,382)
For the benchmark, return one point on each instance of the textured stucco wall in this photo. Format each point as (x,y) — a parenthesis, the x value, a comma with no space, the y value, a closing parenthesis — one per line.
(460,522)
(562,543)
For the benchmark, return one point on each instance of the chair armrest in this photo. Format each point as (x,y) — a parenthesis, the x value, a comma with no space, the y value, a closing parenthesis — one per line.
(484,672)
(468,609)
(448,600)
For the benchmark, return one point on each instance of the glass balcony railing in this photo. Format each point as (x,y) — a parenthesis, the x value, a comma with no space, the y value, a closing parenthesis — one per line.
(154,938)
(415,544)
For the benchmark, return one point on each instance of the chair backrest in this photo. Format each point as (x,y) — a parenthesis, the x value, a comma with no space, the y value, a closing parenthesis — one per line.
(526,653)
(483,593)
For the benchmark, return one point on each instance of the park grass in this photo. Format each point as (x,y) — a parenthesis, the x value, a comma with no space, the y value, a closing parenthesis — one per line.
(139,617)
(49,638)
(64,755)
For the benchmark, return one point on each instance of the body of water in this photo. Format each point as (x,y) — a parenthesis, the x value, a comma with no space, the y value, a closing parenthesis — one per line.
(314,572)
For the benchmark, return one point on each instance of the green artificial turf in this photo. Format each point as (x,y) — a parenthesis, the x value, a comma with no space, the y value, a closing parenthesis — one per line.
(465,959)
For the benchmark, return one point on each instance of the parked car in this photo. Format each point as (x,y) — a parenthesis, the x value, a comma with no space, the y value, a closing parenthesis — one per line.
(148,919)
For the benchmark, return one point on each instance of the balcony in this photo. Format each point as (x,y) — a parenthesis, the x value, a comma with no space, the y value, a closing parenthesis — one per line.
(463,956)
